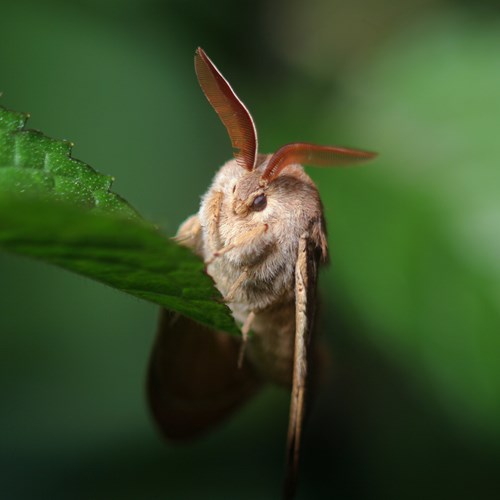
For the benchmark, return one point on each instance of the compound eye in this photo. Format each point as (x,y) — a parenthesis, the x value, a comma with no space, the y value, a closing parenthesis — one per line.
(259,203)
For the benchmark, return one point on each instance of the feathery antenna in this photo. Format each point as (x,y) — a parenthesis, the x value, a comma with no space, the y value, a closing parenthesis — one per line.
(233,113)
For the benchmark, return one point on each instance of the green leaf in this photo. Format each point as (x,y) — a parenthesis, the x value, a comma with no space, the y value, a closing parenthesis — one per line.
(128,255)
(32,164)
(59,210)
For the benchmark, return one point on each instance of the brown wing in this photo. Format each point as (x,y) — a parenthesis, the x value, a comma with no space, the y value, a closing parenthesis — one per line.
(194,381)
(232,112)
(312,154)
(305,296)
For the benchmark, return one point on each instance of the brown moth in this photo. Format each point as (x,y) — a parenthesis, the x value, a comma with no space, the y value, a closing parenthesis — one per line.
(261,232)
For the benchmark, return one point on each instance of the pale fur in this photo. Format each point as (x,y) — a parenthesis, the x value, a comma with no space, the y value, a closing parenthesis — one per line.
(265,247)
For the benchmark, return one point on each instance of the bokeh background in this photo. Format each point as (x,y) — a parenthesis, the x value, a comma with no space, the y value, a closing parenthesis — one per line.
(410,301)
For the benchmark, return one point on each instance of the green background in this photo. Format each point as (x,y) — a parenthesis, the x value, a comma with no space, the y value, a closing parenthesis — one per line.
(410,303)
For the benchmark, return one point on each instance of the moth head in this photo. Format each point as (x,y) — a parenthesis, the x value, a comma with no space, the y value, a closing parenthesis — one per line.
(252,189)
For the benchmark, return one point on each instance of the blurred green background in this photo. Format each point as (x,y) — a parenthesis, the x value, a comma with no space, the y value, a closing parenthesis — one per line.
(411,299)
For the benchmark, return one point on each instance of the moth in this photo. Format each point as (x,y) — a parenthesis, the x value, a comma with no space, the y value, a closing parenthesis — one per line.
(261,233)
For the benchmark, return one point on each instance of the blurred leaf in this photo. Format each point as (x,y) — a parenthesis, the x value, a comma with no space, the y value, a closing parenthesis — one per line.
(416,235)
(59,210)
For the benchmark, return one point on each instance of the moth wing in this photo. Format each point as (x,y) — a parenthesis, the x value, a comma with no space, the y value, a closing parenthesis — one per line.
(193,378)
(306,269)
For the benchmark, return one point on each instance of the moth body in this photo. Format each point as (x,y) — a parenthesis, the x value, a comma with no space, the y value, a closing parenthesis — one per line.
(261,233)
(263,245)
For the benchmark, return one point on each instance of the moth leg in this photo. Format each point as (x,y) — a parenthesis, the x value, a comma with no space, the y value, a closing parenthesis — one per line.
(232,291)
(189,234)
(173,319)
(245,329)
(212,233)
(239,241)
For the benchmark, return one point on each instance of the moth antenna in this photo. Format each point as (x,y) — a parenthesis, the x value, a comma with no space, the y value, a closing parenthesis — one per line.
(312,154)
(232,112)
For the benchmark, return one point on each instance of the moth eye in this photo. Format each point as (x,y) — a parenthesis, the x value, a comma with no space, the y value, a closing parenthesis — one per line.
(259,203)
